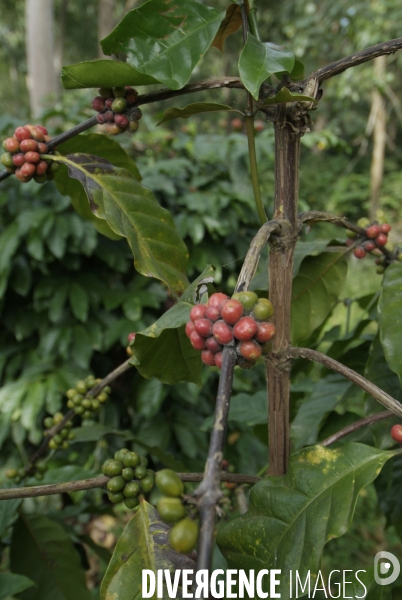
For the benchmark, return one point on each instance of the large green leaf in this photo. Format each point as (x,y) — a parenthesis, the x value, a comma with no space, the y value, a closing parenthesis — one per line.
(291,518)
(248,409)
(259,60)
(105,147)
(230,24)
(163,350)
(8,513)
(315,292)
(194,109)
(165,39)
(390,317)
(284,96)
(142,545)
(11,584)
(133,212)
(102,73)
(42,551)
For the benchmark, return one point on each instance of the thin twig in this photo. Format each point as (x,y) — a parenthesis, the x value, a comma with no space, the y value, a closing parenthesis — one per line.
(209,492)
(377,393)
(355,59)
(101,482)
(44,447)
(355,426)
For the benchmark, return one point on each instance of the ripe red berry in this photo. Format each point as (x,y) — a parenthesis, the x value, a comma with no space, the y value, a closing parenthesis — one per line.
(232,311)
(208,358)
(381,239)
(197,342)
(136,113)
(131,95)
(121,120)
(222,332)
(28,169)
(29,146)
(369,245)
(189,328)
(42,148)
(213,313)
(265,333)
(41,167)
(21,177)
(377,252)
(131,336)
(32,157)
(372,231)
(203,327)
(349,242)
(213,345)
(249,350)
(108,103)
(359,252)
(98,104)
(218,359)
(237,124)
(22,133)
(217,300)
(18,159)
(109,116)
(11,145)
(259,125)
(396,433)
(42,129)
(36,133)
(198,312)
(385,228)
(245,329)
(100,117)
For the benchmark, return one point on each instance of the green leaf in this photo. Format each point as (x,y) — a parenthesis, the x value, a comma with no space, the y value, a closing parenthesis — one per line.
(195,109)
(316,289)
(42,551)
(11,584)
(102,73)
(248,409)
(284,96)
(143,544)
(259,60)
(79,302)
(133,212)
(149,397)
(297,72)
(67,473)
(291,518)
(165,40)
(8,513)
(390,317)
(104,147)
(230,24)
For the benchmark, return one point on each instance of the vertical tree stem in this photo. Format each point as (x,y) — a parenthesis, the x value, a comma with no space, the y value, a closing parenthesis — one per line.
(287,154)
(254,169)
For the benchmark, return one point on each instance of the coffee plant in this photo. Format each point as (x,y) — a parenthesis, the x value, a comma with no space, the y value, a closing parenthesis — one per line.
(172,523)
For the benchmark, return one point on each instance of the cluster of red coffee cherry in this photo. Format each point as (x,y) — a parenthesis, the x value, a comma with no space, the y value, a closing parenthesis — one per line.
(241,320)
(115,109)
(23,154)
(376,238)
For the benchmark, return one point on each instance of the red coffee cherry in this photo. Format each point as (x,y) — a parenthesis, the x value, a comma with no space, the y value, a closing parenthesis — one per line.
(18,159)
(381,239)
(203,327)
(369,245)
(189,328)
(131,95)
(197,342)
(121,120)
(385,228)
(396,433)
(349,242)
(42,148)
(108,103)
(21,177)
(36,133)
(32,157)
(11,145)
(218,359)
(42,129)
(372,231)
(198,312)
(265,333)
(217,300)
(213,345)
(109,116)
(359,252)
(245,329)
(213,313)
(222,332)
(249,350)
(232,311)
(208,358)
(22,133)
(41,167)
(98,104)
(100,117)
(28,169)
(131,336)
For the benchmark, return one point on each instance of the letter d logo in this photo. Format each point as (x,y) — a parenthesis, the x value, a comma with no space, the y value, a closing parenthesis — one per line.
(384,567)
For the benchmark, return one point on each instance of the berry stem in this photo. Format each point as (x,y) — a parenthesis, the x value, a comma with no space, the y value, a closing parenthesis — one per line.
(386,414)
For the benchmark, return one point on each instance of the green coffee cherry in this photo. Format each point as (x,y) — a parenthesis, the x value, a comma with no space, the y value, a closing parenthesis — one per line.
(170,510)
(140,472)
(143,461)
(39,476)
(169,483)
(120,454)
(131,459)
(79,410)
(248,300)
(132,489)
(263,310)
(90,381)
(81,387)
(58,417)
(102,397)
(147,484)
(71,393)
(48,422)
(11,473)
(7,159)
(131,502)
(183,536)
(86,403)
(115,498)
(119,105)
(128,473)
(87,414)
(116,484)
(41,466)
(119,92)
(112,468)
(65,445)
(77,399)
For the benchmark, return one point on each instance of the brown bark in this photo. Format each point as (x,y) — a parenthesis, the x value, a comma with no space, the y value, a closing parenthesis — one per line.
(379,138)
(287,153)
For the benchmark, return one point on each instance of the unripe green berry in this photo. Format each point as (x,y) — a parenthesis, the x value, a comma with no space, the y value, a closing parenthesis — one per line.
(90,381)
(58,439)
(147,484)
(70,404)
(64,433)
(131,502)
(58,417)
(119,105)
(11,473)
(112,468)
(143,461)
(170,510)
(87,414)
(7,159)
(39,476)
(79,410)
(105,92)
(53,445)
(107,389)
(81,387)
(48,422)
(115,498)
(133,126)
(132,489)
(120,454)
(169,483)
(140,472)
(131,459)
(65,445)
(77,399)
(102,397)
(21,472)
(128,473)
(116,484)
(71,436)
(86,403)
(119,92)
